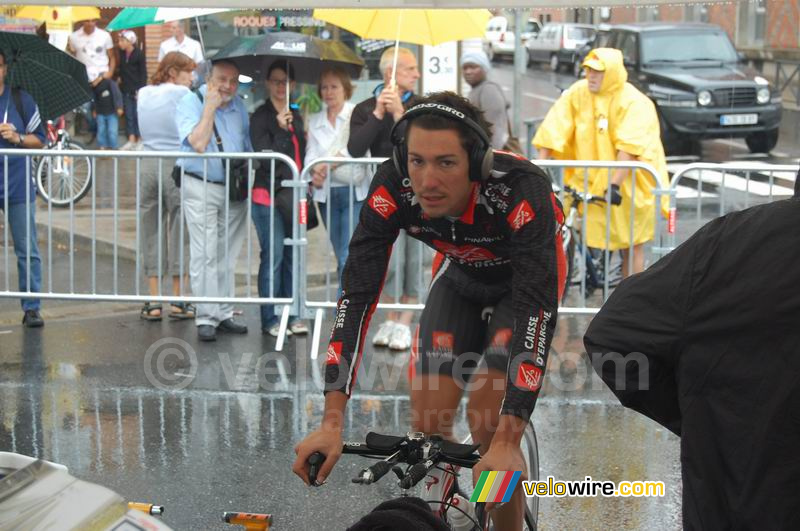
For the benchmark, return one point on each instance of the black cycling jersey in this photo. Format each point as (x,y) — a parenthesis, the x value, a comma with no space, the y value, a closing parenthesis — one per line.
(510,231)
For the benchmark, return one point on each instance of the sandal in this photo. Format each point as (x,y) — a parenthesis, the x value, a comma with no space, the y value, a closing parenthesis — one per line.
(181,310)
(148,312)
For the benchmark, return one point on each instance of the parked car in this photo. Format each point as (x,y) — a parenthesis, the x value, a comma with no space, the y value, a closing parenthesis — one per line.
(700,85)
(500,40)
(599,40)
(558,43)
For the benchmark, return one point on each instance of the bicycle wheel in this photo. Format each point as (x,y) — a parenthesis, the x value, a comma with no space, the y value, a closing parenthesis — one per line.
(67,176)
(530,453)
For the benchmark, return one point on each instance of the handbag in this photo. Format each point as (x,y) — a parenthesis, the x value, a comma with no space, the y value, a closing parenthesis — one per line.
(283,202)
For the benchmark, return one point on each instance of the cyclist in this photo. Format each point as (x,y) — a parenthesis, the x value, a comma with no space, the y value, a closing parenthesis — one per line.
(496,221)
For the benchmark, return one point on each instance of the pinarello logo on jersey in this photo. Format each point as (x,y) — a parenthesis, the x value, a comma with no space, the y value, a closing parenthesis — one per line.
(502,338)
(520,216)
(529,377)
(467,253)
(443,341)
(382,202)
(334,353)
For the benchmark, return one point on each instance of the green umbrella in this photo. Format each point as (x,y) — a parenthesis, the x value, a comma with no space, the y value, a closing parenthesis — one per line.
(133,17)
(56,80)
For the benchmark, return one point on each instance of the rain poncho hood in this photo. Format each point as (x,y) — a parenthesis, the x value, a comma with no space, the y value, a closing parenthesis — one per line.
(583,125)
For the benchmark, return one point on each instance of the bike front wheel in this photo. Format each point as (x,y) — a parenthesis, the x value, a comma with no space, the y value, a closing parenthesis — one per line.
(64,178)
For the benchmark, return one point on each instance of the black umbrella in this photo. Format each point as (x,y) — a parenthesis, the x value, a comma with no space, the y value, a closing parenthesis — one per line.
(307,55)
(56,80)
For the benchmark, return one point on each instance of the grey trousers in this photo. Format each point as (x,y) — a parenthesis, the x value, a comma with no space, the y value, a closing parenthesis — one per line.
(168,258)
(216,232)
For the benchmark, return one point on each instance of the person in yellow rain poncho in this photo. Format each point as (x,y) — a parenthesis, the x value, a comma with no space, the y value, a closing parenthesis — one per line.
(605,118)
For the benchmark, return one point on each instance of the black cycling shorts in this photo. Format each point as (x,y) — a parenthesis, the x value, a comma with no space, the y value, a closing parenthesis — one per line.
(463,322)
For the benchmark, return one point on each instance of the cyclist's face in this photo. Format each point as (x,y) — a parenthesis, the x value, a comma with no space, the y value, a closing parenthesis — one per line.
(438,166)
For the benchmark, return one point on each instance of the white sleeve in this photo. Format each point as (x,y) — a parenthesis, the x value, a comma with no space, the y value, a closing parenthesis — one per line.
(198,53)
(314,149)
(109,42)
(161,51)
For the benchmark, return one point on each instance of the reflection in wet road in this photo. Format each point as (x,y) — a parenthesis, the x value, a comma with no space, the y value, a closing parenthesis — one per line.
(81,396)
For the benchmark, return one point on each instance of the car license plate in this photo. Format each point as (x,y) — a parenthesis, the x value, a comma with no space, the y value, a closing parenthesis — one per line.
(738,119)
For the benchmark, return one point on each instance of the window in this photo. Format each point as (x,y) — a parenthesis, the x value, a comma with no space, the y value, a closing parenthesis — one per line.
(630,49)
(686,46)
(580,34)
(752,23)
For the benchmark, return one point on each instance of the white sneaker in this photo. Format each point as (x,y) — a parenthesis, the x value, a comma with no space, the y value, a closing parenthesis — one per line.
(139,146)
(298,327)
(276,328)
(401,337)
(128,146)
(384,334)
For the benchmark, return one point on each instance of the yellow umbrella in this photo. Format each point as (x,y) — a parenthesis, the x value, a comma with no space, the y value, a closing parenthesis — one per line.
(58,17)
(417,26)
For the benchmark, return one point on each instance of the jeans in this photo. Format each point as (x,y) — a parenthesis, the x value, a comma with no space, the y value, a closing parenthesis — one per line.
(107,130)
(18,218)
(271,233)
(131,119)
(341,225)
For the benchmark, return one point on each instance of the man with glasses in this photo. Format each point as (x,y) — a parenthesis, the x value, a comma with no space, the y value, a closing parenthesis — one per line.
(216,225)
(21,128)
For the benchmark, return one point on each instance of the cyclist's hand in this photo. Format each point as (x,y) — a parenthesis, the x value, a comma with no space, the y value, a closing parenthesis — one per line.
(327,441)
(616,196)
(501,457)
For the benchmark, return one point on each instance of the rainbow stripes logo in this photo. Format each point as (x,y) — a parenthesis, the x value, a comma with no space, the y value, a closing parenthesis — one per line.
(495,487)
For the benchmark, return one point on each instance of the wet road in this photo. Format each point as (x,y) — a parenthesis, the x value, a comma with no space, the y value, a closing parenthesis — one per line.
(105,395)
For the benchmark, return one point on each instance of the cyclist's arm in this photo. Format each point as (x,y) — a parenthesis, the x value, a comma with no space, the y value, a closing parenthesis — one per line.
(538,270)
(362,281)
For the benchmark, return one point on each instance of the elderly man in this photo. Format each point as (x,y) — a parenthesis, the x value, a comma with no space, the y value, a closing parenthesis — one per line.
(370,131)
(605,118)
(216,225)
(486,95)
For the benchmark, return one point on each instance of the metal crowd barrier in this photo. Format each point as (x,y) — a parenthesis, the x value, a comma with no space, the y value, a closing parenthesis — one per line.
(313,306)
(718,189)
(80,223)
(584,257)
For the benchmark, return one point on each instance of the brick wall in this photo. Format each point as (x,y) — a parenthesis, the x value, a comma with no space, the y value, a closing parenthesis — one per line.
(725,16)
(671,13)
(154,35)
(556,15)
(783,21)
(622,15)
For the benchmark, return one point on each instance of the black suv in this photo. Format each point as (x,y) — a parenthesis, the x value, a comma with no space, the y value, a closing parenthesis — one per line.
(698,82)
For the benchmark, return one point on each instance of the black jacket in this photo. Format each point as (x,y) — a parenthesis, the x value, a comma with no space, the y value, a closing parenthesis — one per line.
(267,135)
(132,71)
(715,327)
(369,133)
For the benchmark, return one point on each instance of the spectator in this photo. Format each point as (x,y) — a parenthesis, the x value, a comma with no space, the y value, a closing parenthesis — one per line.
(370,129)
(705,342)
(94,48)
(276,127)
(328,132)
(216,225)
(107,108)
(133,76)
(21,128)
(180,42)
(605,118)
(486,95)
(156,109)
